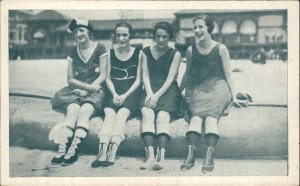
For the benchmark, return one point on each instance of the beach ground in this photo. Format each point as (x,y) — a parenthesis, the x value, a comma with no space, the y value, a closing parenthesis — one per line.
(36,163)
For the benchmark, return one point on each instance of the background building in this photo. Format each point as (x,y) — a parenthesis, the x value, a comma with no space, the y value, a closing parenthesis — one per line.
(243,31)
(46,34)
(18,32)
(43,35)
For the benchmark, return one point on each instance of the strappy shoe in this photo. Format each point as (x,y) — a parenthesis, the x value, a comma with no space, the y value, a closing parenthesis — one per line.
(72,154)
(159,161)
(190,159)
(62,150)
(111,154)
(149,160)
(101,157)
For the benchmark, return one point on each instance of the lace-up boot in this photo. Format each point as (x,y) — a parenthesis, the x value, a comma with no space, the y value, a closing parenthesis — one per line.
(190,158)
(208,164)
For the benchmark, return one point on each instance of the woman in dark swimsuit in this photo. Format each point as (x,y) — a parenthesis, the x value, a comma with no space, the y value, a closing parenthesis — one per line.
(123,81)
(83,97)
(209,90)
(162,97)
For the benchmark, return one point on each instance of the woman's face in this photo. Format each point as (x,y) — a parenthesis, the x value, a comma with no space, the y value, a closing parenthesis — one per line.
(122,36)
(81,34)
(161,38)
(200,29)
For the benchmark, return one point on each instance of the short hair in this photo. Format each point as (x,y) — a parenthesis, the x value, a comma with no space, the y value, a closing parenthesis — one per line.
(165,26)
(208,22)
(126,25)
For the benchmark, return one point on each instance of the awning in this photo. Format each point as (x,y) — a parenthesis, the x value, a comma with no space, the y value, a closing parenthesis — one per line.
(216,28)
(229,27)
(38,34)
(248,27)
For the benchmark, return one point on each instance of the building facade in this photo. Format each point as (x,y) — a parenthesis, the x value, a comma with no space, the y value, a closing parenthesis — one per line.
(44,35)
(47,37)
(18,29)
(243,31)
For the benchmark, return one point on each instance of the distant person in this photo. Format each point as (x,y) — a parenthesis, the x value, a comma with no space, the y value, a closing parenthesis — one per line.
(259,57)
(123,81)
(284,54)
(83,97)
(209,91)
(162,98)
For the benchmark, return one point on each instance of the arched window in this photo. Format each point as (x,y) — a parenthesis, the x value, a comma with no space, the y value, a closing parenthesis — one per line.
(229,27)
(248,27)
(216,28)
(229,32)
(248,31)
(40,35)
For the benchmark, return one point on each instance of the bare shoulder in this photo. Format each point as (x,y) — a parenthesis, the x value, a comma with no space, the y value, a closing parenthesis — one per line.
(223,47)
(177,54)
(189,51)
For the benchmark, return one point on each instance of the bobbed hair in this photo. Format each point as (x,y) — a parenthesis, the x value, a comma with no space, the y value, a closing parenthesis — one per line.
(165,26)
(126,25)
(208,22)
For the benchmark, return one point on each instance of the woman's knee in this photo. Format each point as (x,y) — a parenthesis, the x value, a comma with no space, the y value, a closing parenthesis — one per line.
(73,107)
(148,114)
(196,120)
(109,113)
(85,112)
(163,123)
(195,124)
(148,117)
(162,117)
(211,126)
(86,109)
(123,113)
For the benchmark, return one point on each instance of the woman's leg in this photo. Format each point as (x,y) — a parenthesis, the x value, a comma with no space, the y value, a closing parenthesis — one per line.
(65,132)
(148,132)
(105,136)
(118,135)
(81,131)
(192,135)
(211,138)
(72,114)
(163,137)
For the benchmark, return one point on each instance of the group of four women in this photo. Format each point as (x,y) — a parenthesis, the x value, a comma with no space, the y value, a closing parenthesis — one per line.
(110,81)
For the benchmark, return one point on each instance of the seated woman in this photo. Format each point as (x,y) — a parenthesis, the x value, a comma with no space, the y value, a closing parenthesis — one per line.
(123,81)
(83,97)
(162,97)
(209,91)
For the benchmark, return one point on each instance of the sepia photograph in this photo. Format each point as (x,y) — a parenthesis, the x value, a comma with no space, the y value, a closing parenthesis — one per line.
(149,93)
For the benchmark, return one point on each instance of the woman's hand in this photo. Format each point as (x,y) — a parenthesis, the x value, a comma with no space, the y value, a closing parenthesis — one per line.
(80,92)
(151,101)
(147,99)
(115,99)
(239,103)
(94,87)
(121,99)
